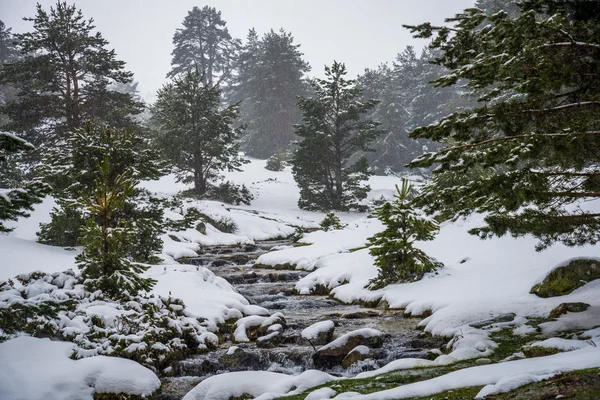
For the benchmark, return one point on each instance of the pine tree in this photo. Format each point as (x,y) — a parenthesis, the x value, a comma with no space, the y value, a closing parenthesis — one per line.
(15,202)
(204,43)
(63,78)
(69,170)
(106,237)
(327,164)
(395,255)
(534,135)
(195,134)
(270,78)
(407,100)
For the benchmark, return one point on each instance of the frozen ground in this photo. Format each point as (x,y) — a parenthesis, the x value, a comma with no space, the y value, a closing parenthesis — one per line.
(481,280)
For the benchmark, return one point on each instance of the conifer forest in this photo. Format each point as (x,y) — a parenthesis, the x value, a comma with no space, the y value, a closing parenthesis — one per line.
(303,200)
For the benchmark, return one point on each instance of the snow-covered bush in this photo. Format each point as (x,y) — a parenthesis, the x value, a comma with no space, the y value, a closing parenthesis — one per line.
(150,330)
(276,162)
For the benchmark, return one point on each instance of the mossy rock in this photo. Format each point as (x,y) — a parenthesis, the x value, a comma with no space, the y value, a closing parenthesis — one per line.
(538,351)
(567,277)
(568,307)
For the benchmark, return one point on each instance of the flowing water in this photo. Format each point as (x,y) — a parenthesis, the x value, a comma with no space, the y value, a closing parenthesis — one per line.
(273,290)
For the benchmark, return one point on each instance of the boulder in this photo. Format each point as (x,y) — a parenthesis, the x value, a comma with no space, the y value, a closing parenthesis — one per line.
(320,333)
(333,353)
(357,354)
(567,277)
(238,358)
(568,307)
(201,227)
(269,341)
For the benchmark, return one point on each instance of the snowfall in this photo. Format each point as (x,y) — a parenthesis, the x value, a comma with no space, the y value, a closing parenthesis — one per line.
(480,281)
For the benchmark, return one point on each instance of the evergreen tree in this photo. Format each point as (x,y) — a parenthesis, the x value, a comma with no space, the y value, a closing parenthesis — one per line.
(9,162)
(195,134)
(15,202)
(69,170)
(407,100)
(63,78)
(327,164)
(106,237)
(204,43)
(395,255)
(269,80)
(535,132)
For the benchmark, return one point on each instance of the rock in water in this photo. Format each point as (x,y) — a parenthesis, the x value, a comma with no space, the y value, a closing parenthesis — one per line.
(333,353)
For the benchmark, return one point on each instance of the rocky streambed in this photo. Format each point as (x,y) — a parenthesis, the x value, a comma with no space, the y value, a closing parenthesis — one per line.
(275,342)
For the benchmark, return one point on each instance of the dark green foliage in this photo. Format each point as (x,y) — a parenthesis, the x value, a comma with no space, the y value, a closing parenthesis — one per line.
(535,132)
(63,78)
(395,255)
(269,79)
(194,133)
(15,202)
(229,193)
(277,161)
(327,164)
(331,221)
(204,43)
(106,237)
(70,171)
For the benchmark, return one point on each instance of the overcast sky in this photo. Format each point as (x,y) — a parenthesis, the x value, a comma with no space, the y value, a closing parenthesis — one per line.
(360,33)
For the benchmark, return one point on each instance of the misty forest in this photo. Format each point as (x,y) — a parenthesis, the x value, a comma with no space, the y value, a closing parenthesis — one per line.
(262,227)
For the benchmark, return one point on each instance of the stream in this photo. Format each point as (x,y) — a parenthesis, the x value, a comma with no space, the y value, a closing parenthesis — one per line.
(273,290)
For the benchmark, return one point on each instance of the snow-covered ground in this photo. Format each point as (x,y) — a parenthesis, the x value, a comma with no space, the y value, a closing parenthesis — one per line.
(480,281)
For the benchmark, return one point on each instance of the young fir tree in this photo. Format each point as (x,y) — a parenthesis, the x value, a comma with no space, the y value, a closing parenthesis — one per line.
(70,171)
(194,133)
(395,255)
(327,164)
(534,134)
(16,201)
(63,78)
(106,236)
(270,77)
(204,43)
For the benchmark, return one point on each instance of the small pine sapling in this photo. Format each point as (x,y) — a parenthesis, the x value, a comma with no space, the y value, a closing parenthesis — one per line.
(106,238)
(330,222)
(393,248)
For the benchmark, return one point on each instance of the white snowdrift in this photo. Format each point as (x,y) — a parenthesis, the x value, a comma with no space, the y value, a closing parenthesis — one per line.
(260,384)
(496,378)
(39,369)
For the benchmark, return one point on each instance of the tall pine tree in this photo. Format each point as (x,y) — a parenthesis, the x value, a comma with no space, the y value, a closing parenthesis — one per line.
(204,43)
(62,77)
(194,132)
(536,130)
(327,164)
(270,78)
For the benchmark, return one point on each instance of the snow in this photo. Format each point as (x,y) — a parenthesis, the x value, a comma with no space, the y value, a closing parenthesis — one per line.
(503,376)
(259,384)
(312,332)
(243,324)
(40,369)
(364,350)
(319,394)
(205,295)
